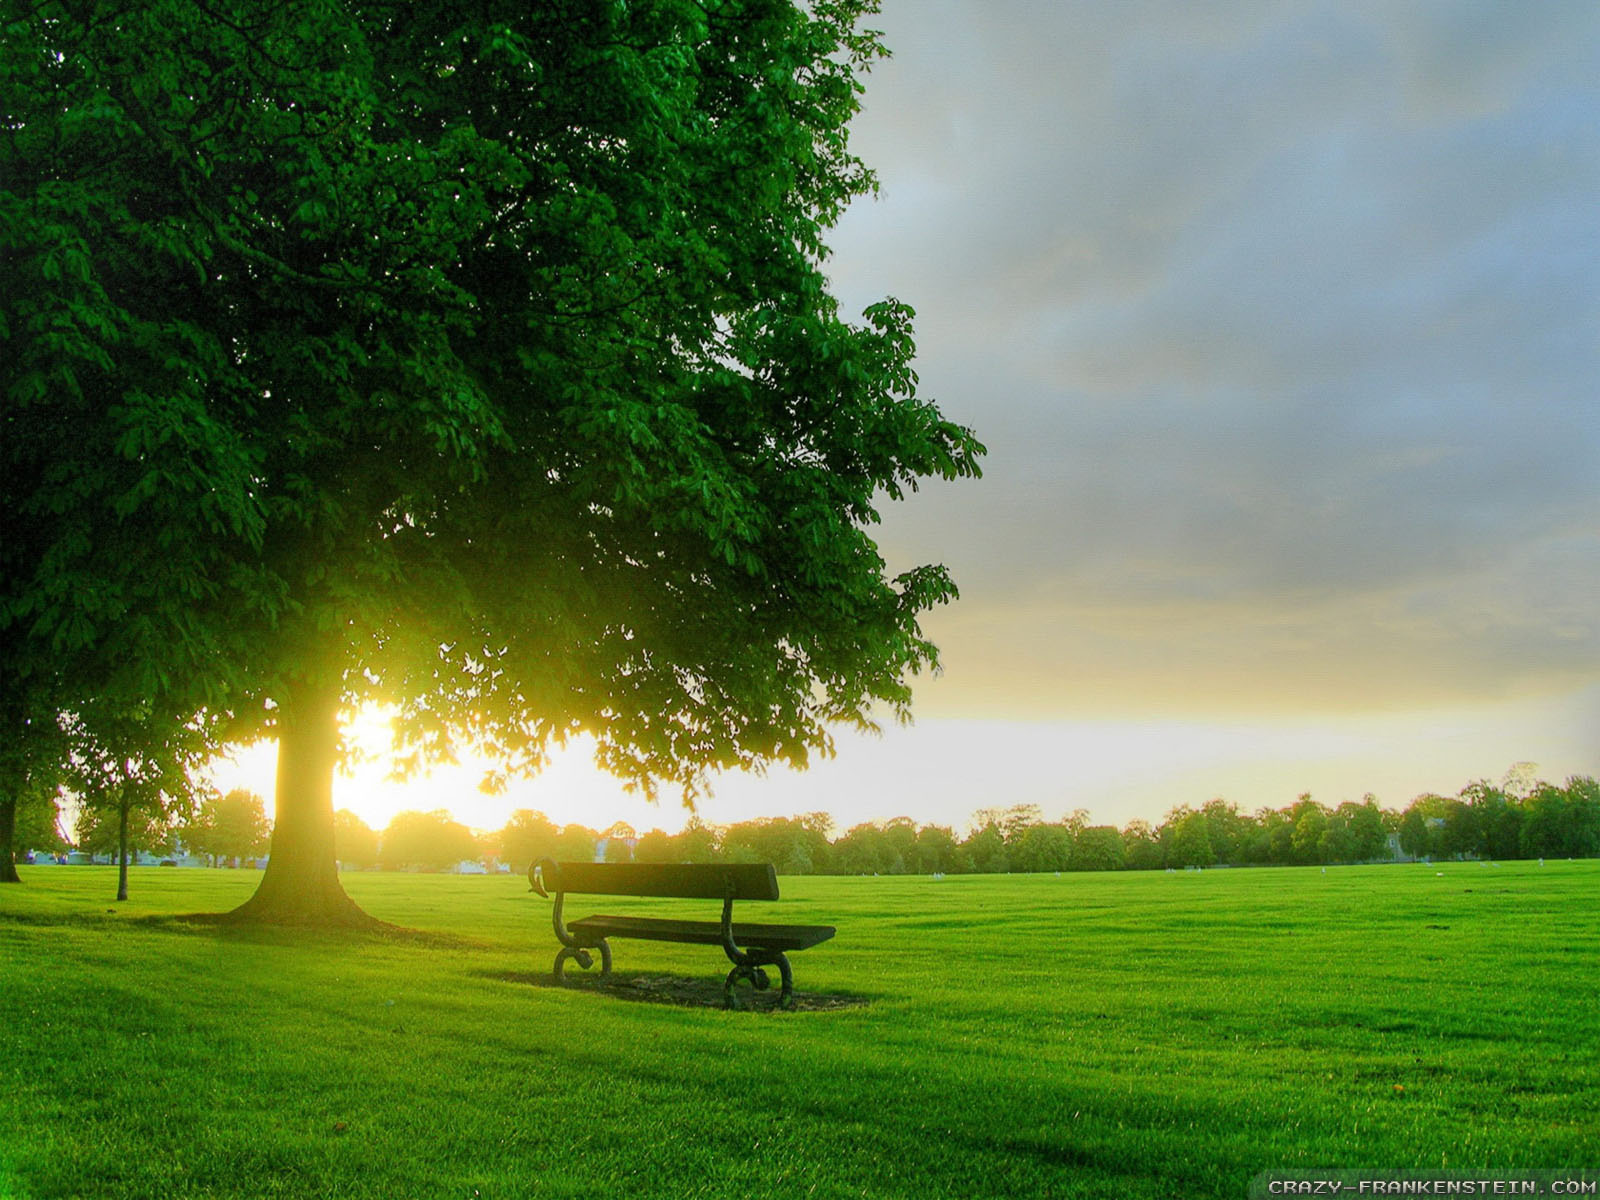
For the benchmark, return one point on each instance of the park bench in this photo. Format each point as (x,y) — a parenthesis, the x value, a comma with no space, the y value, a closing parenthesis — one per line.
(749,947)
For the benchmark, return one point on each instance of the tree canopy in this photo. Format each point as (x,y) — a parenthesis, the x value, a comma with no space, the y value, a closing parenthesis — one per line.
(475,357)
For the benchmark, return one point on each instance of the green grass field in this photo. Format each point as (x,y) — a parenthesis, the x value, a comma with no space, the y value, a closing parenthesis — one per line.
(1136,1035)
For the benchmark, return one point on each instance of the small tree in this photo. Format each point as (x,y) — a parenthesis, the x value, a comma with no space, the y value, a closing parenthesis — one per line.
(231,826)
(132,762)
(107,829)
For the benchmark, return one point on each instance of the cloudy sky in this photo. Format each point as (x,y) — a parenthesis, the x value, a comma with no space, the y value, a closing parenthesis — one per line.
(1281,322)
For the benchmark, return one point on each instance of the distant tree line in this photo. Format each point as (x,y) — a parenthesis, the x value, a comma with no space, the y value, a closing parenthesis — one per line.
(1520,818)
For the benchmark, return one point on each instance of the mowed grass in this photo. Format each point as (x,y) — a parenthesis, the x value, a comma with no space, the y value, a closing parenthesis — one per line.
(1136,1035)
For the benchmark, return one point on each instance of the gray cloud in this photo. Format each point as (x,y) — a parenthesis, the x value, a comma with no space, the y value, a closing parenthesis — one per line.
(1281,323)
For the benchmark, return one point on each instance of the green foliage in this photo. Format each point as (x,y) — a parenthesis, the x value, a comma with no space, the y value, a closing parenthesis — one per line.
(130,769)
(98,831)
(795,846)
(483,363)
(234,826)
(1136,1035)
(527,837)
(38,822)
(1098,848)
(355,843)
(1042,848)
(427,841)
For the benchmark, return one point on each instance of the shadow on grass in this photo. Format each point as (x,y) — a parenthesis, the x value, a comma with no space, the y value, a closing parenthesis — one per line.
(229,925)
(681,991)
(229,928)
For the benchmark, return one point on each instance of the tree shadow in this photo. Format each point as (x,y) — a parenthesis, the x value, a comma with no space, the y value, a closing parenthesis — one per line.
(680,991)
(231,926)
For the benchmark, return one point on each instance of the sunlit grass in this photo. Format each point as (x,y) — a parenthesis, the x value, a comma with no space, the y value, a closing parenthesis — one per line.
(1129,1035)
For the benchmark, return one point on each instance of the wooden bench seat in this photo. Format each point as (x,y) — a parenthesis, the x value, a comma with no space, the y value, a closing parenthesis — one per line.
(704,933)
(749,946)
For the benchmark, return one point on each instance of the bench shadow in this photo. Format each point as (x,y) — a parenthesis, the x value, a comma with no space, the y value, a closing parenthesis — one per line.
(681,991)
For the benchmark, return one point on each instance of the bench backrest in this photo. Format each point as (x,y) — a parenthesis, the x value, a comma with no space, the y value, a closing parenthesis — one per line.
(709,881)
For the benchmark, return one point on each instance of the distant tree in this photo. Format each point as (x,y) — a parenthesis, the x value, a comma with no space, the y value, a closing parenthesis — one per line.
(1227,830)
(526,837)
(985,847)
(1497,819)
(1562,821)
(1414,839)
(794,845)
(1419,825)
(354,841)
(1521,780)
(575,844)
(1098,848)
(863,850)
(1041,848)
(1369,839)
(1278,828)
(900,845)
(697,843)
(1142,847)
(618,850)
(231,826)
(1011,821)
(1189,843)
(938,851)
(1338,842)
(1583,816)
(1460,834)
(427,840)
(1542,821)
(654,847)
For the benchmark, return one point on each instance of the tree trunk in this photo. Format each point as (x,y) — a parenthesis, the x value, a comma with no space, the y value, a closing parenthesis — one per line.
(301,883)
(122,849)
(8,835)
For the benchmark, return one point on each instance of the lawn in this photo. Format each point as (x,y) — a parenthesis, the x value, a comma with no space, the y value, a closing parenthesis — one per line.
(1132,1035)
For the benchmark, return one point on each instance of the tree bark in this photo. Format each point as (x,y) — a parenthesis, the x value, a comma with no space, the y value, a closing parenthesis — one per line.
(8,835)
(122,849)
(301,883)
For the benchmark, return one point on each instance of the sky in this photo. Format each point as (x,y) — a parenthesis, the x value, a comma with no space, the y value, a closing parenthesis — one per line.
(1281,323)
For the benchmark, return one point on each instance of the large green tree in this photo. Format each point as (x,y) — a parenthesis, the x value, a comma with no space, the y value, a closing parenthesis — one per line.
(487,350)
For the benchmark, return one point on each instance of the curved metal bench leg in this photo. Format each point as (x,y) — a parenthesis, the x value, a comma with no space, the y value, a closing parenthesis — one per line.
(759,981)
(583,958)
(786,999)
(730,998)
